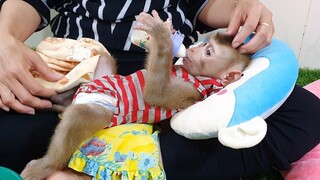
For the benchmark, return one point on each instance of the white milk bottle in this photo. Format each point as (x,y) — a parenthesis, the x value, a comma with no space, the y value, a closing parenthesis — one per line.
(141,38)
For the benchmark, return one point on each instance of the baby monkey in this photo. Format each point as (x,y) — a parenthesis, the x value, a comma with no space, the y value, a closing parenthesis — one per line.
(146,96)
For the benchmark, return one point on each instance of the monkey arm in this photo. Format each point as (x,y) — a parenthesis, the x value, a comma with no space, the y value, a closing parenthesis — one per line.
(173,94)
(161,89)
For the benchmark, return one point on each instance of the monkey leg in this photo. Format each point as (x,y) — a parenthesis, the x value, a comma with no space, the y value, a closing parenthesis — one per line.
(79,121)
(106,65)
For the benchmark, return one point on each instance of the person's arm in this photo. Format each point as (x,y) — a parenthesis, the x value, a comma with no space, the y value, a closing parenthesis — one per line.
(18,89)
(252,15)
(18,19)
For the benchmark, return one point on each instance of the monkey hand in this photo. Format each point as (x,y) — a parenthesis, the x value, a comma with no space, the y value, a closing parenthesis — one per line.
(62,100)
(37,170)
(159,30)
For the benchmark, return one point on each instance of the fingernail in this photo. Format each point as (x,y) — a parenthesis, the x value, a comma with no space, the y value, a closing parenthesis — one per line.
(6,109)
(47,104)
(56,74)
(60,75)
(236,44)
(31,112)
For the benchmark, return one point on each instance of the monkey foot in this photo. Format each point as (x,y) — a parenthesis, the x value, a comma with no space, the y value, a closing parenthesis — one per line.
(36,170)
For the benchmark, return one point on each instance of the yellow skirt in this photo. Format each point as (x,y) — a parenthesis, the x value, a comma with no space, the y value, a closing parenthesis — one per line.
(123,152)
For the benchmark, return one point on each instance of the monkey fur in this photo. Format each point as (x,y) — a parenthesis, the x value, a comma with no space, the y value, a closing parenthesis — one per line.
(80,121)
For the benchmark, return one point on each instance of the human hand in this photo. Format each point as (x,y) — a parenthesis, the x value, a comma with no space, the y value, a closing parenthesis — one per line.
(18,88)
(253,16)
(106,66)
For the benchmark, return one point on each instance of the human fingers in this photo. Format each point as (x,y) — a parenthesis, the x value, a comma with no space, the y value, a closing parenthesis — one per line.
(5,95)
(29,92)
(43,69)
(250,14)
(4,107)
(24,101)
(7,82)
(242,10)
(263,33)
(248,27)
(8,101)
(16,61)
(261,39)
(26,79)
(18,79)
(234,23)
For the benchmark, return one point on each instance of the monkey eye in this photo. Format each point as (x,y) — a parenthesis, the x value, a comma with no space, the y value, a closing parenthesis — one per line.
(209,51)
(203,44)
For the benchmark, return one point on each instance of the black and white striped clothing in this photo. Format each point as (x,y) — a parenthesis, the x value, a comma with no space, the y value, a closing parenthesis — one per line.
(110,21)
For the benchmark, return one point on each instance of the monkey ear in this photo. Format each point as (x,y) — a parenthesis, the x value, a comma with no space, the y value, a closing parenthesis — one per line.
(231,76)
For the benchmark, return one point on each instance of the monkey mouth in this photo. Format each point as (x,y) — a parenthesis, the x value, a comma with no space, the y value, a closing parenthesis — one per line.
(186,60)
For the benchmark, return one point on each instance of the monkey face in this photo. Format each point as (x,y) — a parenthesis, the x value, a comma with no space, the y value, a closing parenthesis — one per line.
(209,59)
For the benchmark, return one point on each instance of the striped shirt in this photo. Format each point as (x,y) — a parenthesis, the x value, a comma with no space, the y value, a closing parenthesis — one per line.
(110,22)
(128,105)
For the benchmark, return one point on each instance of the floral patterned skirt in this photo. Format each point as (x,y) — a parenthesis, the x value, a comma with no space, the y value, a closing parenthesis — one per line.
(123,152)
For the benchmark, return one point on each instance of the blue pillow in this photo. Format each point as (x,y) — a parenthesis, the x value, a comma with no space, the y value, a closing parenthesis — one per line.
(236,114)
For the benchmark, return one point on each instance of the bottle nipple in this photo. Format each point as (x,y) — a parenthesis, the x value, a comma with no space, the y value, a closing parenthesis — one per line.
(179,50)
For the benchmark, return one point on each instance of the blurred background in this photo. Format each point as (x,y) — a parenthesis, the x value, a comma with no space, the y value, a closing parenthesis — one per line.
(297,23)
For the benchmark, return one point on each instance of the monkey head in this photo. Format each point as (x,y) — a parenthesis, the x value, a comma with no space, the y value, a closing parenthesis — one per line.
(216,58)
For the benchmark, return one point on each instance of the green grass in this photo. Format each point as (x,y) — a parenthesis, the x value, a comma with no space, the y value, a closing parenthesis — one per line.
(306,76)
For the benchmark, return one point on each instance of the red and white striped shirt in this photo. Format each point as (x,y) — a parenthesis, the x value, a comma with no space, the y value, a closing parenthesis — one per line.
(127,92)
